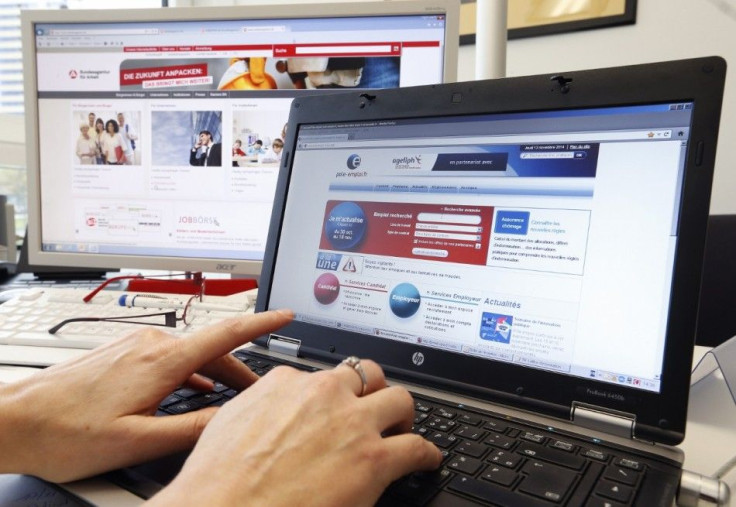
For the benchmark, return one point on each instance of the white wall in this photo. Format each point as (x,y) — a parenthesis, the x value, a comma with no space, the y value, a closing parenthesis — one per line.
(664,30)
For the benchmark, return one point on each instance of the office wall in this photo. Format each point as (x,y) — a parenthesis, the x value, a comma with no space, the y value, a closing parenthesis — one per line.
(664,30)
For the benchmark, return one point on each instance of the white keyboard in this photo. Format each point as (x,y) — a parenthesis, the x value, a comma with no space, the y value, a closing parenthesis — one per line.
(26,319)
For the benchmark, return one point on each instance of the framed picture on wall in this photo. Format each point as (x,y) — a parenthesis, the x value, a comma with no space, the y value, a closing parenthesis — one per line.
(532,18)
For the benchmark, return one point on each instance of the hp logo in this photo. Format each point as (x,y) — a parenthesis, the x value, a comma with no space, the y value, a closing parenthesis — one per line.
(353,161)
(417,358)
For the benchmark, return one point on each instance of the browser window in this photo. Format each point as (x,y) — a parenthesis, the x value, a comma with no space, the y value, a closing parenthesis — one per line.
(499,237)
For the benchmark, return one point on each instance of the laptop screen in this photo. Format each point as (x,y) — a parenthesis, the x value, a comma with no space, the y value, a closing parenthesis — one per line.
(545,240)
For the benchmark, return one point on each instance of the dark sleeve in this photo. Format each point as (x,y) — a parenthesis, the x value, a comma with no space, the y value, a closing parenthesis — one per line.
(193,160)
(215,155)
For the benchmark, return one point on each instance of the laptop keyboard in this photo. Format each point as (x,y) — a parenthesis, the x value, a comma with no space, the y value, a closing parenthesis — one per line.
(494,460)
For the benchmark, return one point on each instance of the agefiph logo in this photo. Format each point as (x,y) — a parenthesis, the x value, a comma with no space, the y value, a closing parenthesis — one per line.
(408,162)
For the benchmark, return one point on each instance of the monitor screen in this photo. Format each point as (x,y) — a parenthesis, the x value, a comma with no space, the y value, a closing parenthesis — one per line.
(154,136)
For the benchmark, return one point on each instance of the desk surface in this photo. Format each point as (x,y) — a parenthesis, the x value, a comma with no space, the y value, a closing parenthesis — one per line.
(709,443)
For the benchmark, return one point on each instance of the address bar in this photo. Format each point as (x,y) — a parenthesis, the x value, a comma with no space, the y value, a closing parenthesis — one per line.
(309,50)
(127,31)
(320,143)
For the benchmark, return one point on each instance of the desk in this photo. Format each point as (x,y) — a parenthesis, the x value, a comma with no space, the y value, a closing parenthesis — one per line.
(710,440)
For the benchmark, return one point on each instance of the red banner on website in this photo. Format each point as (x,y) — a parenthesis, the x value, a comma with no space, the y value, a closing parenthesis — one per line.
(446,232)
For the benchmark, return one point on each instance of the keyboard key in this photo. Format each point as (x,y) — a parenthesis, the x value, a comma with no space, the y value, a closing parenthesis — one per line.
(496,426)
(622,475)
(533,437)
(499,475)
(469,419)
(182,407)
(595,454)
(492,493)
(440,424)
(614,491)
(447,414)
(602,502)
(629,463)
(413,490)
(546,481)
(505,459)
(441,439)
(562,445)
(471,448)
(551,455)
(469,432)
(169,400)
(436,477)
(499,441)
(464,464)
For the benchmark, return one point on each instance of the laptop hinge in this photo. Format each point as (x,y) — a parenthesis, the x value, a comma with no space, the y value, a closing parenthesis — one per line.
(289,346)
(602,419)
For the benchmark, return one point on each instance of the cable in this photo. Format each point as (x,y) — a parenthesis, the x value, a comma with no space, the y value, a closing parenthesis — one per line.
(725,468)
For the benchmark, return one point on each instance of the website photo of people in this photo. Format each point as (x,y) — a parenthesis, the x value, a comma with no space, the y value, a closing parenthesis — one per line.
(107,137)
(258,138)
(187,138)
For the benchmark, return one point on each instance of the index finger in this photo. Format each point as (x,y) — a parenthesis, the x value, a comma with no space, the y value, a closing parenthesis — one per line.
(222,338)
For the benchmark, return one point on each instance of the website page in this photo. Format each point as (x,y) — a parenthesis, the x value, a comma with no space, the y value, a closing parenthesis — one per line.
(165,138)
(495,238)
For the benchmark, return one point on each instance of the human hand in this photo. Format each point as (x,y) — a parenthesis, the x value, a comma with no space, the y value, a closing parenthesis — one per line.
(95,413)
(295,437)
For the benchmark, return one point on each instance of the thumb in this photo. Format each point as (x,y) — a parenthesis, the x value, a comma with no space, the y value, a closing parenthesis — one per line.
(164,435)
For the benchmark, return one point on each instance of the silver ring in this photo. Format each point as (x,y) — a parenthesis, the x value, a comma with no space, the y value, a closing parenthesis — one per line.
(354,363)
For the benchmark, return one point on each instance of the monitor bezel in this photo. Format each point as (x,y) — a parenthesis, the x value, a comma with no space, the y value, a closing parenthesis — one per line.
(450,8)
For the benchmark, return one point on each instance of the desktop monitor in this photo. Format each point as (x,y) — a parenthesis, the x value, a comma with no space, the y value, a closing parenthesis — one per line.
(192,105)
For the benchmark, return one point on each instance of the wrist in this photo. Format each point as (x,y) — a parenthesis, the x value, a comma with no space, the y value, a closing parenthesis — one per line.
(17,451)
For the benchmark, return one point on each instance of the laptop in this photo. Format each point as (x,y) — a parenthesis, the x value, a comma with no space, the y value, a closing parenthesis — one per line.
(524,254)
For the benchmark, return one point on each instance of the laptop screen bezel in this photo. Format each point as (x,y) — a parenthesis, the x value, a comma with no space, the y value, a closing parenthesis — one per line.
(659,416)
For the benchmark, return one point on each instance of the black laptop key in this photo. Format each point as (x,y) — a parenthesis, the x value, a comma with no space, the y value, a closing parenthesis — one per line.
(602,502)
(207,399)
(496,426)
(622,475)
(533,437)
(441,439)
(563,445)
(413,490)
(546,481)
(186,393)
(492,493)
(629,463)
(469,419)
(470,448)
(505,459)
(500,441)
(440,424)
(552,455)
(169,400)
(469,432)
(614,491)
(595,454)
(183,407)
(499,475)
(464,464)
(435,477)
